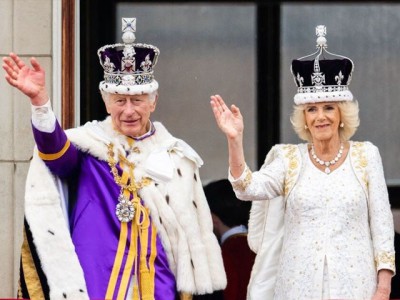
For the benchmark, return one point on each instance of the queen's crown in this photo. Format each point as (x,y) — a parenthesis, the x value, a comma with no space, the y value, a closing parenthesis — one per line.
(322,79)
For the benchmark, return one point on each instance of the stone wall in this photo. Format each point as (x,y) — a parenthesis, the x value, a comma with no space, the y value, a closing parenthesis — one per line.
(26,29)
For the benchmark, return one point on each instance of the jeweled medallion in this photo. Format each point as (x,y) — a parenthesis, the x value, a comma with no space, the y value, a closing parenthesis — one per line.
(124,210)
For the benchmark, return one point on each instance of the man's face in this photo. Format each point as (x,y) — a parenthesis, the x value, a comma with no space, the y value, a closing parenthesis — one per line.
(130,114)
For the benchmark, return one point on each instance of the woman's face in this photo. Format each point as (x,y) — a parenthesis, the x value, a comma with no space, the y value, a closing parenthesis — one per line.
(322,119)
(130,114)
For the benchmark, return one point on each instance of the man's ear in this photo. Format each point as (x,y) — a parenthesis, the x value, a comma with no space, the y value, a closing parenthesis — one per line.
(154,104)
(106,100)
(106,104)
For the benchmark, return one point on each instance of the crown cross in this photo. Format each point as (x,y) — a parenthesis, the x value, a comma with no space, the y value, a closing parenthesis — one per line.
(320,31)
(128,61)
(128,24)
(318,79)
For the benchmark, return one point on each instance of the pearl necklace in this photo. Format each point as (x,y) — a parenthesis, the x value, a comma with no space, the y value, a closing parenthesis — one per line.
(327,164)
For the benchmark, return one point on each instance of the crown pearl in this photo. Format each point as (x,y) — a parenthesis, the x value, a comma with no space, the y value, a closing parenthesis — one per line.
(128,37)
(321,42)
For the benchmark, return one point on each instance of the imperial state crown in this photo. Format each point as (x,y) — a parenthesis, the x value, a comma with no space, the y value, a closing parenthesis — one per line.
(128,66)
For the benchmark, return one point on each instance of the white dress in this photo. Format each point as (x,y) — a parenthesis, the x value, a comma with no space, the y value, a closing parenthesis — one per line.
(336,234)
(326,215)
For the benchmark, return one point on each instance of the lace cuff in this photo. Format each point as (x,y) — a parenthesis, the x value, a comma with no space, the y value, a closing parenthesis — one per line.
(385,260)
(43,117)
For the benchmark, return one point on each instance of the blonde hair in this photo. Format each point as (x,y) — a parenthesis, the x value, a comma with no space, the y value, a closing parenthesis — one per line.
(348,116)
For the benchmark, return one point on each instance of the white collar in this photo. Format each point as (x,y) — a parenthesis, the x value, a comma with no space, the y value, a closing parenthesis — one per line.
(232,231)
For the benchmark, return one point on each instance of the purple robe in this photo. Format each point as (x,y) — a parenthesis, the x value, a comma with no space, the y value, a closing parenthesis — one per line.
(95,229)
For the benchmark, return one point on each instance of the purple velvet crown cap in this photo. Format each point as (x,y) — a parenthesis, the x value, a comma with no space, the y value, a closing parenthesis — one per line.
(320,79)
(128,67)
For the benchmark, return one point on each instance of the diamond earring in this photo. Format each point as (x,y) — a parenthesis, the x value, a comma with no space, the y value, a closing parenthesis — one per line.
(341,124)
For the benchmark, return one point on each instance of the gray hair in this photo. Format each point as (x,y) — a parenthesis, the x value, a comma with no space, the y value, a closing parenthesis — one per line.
(106,95)
(348,116)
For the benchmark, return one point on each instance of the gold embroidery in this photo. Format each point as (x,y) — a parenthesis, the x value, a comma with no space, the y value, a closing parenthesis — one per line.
(241,185)
(360,161)
(136,150)
(29,272)
(293,163)
(133,186)
(385,258)
(185,296)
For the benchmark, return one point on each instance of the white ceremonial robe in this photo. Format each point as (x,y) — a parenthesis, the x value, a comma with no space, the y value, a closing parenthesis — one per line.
(337,229)
(176,202)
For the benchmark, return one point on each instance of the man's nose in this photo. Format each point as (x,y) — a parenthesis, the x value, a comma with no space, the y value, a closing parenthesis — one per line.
(130,108)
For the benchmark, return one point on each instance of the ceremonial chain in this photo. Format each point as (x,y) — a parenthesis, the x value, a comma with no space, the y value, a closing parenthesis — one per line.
(125,209)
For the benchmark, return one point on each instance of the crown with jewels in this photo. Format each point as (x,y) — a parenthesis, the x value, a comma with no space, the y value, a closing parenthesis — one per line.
(128,67)
(320,79)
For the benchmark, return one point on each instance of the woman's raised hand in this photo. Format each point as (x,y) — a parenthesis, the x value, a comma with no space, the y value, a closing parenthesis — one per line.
(30,81)
(229,120)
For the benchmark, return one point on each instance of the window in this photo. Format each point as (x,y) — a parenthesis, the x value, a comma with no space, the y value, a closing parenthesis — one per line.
(366,34)
(243,50)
